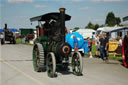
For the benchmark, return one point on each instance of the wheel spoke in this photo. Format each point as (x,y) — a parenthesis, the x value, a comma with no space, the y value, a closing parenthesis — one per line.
(51,64)
(77,63)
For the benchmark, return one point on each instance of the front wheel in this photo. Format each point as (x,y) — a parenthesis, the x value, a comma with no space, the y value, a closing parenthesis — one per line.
(51,64)
(77,64)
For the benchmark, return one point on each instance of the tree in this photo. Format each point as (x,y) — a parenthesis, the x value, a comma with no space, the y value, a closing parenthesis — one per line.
(110,19)
(90,26)
(101,25)
(118,20)
(75,29)
(96,27)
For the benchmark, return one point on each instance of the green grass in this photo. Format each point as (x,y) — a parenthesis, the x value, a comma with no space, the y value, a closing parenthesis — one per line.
(116,57)
(19,41)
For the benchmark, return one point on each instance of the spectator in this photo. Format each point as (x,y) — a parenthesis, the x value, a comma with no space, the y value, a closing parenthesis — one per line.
(120,41)
(119,49)
(90,48)
(106,45)
(102,46)
(97,44)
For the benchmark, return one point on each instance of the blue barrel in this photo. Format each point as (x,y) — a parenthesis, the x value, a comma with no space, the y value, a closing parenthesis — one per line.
(86,46)
(70,40)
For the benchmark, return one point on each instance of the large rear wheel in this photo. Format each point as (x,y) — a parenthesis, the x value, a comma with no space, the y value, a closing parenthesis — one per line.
(77,64)
(51,64)
(38,58)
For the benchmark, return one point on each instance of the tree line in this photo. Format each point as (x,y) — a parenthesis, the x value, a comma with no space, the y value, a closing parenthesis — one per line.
(111,20)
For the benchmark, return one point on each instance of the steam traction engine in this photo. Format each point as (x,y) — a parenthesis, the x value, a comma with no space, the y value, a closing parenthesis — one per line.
(8,36)
(50,50)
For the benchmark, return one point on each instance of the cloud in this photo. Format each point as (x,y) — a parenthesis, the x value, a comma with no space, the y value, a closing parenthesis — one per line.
(84,8)
(41,6)
(20,1)
(1,5)
(108,0)
(77,0)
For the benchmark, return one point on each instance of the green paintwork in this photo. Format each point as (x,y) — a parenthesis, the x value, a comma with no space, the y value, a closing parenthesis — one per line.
(25,31)
(43,40)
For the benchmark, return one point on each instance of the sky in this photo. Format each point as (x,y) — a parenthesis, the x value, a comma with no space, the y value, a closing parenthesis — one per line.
(17,13)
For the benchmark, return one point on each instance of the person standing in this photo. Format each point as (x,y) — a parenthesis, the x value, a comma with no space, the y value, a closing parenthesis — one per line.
(106,45)
(102,46)
(90,48)
(119,49)
(97,44)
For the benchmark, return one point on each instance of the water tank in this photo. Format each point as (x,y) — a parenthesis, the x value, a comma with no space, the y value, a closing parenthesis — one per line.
(70,40)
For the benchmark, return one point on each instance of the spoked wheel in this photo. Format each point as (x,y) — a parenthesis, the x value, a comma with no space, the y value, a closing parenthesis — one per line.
(38,58)
(125,51)
(51,65)
(77,64)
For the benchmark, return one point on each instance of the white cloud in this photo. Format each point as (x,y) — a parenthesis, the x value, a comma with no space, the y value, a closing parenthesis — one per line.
(41,6)
(84,8)
(108,0)
(20,1)
(77,0)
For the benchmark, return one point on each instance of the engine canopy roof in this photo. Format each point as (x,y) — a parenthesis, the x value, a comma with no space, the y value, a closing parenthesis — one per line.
(49,16)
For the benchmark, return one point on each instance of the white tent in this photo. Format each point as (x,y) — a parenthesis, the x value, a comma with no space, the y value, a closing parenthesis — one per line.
(108,29)
(86,32)
(114,31)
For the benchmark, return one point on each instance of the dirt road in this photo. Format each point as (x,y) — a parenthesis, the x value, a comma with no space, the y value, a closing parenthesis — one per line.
(16,68)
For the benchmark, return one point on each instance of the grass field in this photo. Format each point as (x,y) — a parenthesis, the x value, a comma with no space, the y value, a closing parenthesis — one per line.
(18,41)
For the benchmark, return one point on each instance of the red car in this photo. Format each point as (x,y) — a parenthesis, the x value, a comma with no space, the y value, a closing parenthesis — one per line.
(29,37)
